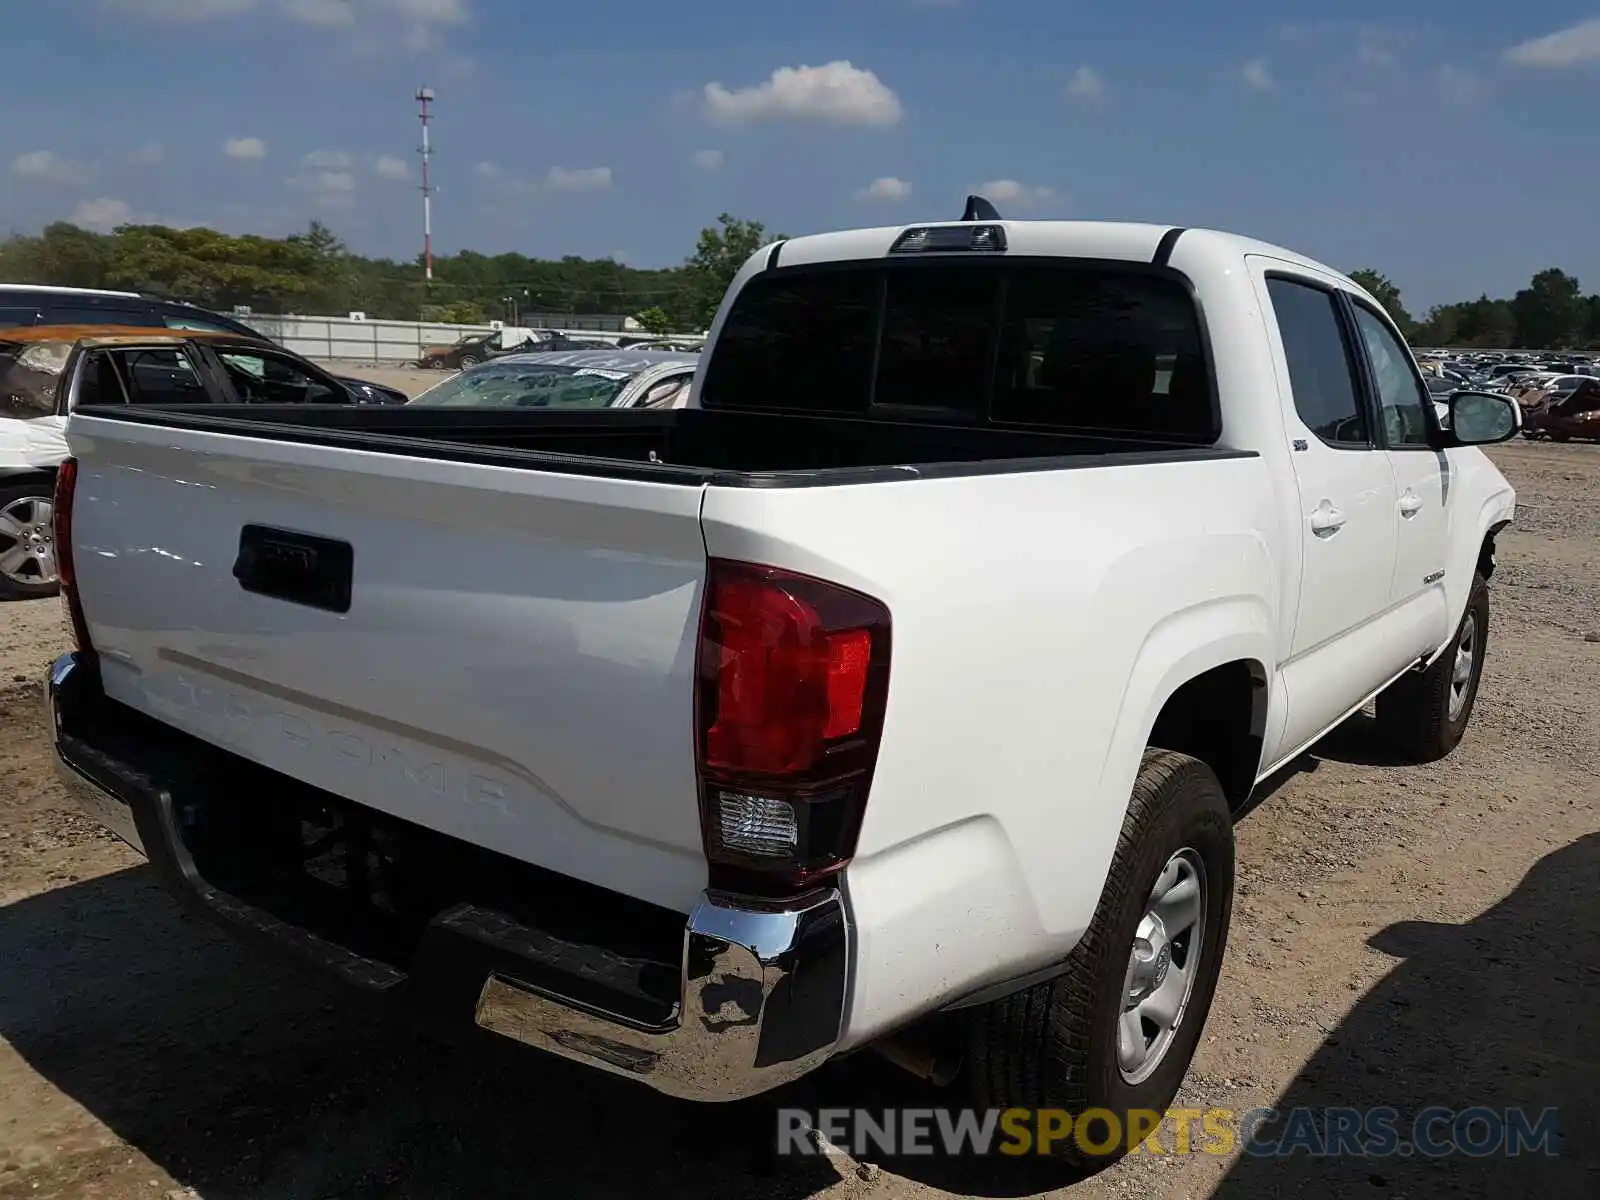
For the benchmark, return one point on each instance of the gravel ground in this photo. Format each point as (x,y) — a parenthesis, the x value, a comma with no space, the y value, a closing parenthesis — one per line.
(1403,936)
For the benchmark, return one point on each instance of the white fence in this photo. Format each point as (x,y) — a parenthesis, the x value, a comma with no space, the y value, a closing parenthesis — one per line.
(388,342)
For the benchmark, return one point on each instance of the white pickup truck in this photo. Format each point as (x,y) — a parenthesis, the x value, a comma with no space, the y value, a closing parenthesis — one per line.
(899,692)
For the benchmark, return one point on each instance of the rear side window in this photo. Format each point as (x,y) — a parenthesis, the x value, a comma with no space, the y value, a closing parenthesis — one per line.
(30,377)
(78,313)
(1053,343)
(1321,370)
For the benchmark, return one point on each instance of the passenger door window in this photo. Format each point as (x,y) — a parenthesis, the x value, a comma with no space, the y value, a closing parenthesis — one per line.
(98,382)
(1320,369)
(161,375)
(267,379)
(1402,399)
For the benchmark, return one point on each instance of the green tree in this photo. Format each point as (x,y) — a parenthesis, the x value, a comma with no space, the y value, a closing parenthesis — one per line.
(1439,327)
(463,312)
(722,249)
(654,320)
(1385,292)
(1487,324)
(1550,312)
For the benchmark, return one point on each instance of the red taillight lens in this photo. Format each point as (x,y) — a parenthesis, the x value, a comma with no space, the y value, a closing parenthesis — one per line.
(61,534)
(794,676)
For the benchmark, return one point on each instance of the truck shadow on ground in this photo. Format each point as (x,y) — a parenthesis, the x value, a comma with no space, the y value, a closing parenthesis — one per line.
(243,1077)
(1498,1013)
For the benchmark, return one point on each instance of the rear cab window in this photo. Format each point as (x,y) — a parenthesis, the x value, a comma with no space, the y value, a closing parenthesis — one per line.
(1115,348)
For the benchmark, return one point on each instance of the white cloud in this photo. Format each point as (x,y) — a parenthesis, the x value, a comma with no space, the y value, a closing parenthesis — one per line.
(105,213)
(886,189)
(486,170)
(707,160)
(836,92)
(1377,46)
(245,149)
(1086,86)
(415,25)
(392,166)
(1010,191)
(326,178)
(147,155)
(102,215)
(47,166)
(1569,47)
(578,179)
(325,14)
(327,160)
(1457,87)
(183,10)
(1256,75)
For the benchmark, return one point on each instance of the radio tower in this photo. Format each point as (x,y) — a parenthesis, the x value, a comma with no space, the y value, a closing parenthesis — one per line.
(425,98)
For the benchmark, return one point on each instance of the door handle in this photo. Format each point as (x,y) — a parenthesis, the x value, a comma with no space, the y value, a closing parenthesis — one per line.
(1410,504)
(1327,520)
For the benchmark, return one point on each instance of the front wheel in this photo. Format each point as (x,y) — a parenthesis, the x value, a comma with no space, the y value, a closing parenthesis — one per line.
(1108,1041)
(27,541)
(1424,713)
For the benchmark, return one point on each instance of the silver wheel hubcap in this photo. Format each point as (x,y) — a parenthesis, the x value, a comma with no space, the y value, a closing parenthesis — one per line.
(27,541)
(1461,671)
(1163,966)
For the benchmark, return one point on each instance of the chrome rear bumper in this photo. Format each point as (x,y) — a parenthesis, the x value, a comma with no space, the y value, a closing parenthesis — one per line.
(762,989)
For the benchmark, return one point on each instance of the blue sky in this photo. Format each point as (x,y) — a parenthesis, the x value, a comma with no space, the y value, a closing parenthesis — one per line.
(1450,145)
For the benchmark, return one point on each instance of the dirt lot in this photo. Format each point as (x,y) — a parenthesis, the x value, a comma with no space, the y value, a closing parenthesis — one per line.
(407,379)
(1403,936)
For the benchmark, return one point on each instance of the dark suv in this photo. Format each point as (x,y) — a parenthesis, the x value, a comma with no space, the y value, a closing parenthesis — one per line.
(30,304)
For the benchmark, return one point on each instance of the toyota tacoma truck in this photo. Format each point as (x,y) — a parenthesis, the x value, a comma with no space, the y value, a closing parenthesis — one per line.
(899,692)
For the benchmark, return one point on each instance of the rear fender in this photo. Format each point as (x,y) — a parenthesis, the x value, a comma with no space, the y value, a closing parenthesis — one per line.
(1182,647)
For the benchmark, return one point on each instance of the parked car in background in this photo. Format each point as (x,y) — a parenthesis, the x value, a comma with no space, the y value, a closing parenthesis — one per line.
(47,371)
(24,304)
(474,348)
(581,379)
(1574,414)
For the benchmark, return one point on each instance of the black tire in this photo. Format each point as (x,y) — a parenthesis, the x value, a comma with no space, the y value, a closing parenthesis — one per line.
(1054,1045)
(1414,712)
(37,488)
(469,360)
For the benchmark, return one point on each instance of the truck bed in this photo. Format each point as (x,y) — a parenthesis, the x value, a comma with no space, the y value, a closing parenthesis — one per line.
(687,446)
(487,624)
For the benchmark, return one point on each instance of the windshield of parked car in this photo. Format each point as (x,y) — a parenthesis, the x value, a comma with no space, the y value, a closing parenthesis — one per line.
(527,385)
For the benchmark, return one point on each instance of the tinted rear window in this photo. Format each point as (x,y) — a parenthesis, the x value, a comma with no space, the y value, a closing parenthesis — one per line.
(1020,342)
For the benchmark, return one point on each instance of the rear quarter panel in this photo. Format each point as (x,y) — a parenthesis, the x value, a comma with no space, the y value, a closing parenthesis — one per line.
(1040,620)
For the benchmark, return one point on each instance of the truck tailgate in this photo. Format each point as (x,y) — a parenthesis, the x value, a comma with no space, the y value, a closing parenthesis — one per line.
(515,667)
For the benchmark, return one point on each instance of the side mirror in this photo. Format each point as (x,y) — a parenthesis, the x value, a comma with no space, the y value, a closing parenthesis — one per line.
(1483,418)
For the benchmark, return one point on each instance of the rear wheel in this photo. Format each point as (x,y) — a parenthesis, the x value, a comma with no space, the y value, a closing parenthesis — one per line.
(469,360)
(1116,1031)
(1424,713)
(27,540)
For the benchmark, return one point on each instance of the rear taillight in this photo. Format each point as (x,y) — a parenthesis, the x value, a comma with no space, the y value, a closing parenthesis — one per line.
(793,682)
(61,534)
